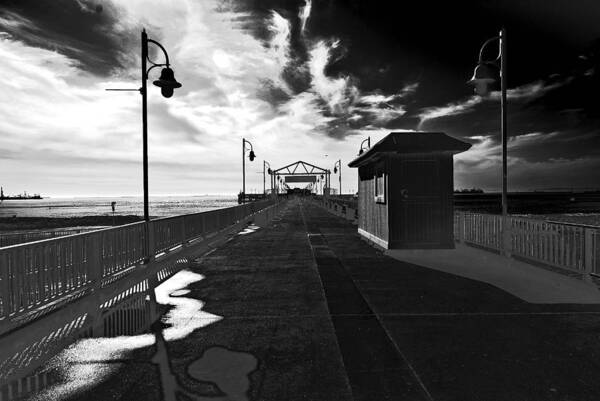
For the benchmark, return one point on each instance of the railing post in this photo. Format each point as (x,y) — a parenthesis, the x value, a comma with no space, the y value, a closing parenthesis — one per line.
(589,251)
(461,227)
(150,252)
(94,260)
(5,295)
(506,236)
(183,236)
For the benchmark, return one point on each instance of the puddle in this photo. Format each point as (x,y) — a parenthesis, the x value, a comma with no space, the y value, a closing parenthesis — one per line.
(228,369)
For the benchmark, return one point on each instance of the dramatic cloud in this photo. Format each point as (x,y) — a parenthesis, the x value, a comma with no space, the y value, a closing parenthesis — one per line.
(91,35)
(299,79)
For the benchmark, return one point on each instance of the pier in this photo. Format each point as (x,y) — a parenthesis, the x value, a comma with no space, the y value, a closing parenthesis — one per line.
(457,259)
(297,306)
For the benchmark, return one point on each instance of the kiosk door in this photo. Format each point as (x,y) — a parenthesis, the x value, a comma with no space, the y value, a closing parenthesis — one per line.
(418,216)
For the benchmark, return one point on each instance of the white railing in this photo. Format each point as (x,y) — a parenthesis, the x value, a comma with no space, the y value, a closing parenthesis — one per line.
(9,239)
(36,274)
(568,246)
(345,208)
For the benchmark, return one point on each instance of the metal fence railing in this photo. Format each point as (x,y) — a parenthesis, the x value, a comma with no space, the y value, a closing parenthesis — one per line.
(36,274)
(343,207)
(568,246)
(8,239)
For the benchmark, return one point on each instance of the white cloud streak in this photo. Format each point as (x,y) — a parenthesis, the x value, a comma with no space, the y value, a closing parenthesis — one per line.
(451,109)
(280,42)
(338,92)
(529,91)
(526,92)
(304,15)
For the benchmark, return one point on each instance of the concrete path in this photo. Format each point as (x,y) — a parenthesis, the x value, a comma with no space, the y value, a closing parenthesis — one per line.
(530,283)
(305,310)
(464,339)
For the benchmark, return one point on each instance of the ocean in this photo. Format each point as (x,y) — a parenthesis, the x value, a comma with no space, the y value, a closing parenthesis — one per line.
(160,206)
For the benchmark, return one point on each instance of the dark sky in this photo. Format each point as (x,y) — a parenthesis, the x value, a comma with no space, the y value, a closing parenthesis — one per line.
(553,62)
(390,44)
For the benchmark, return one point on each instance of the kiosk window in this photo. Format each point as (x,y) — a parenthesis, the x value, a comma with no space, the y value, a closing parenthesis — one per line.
(380,188)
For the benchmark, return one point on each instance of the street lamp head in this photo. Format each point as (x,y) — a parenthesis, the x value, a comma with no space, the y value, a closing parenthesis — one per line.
(167,82)
(335,170)
(270,171)
(251,156)
(485,74)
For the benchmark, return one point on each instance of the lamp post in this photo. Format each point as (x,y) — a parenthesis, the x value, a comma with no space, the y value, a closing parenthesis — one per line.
(485,74)
(167,83)
(338,167)
(322,184)
(251,156)
(265,164)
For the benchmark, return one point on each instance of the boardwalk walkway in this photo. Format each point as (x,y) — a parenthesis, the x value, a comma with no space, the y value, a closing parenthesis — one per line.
(305,310)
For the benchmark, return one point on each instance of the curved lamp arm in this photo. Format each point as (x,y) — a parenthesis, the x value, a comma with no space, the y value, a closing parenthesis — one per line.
(161,48)
(487,42)
(249,143)
(154,65)
(368,140)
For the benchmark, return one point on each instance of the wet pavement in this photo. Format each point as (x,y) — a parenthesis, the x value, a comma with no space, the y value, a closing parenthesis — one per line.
(304,310)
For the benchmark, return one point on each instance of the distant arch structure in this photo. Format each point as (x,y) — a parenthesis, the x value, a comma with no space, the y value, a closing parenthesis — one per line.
(300,172)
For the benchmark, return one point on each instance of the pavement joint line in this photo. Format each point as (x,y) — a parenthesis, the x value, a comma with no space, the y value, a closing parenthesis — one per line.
(316,268)
(370,370)
(388,334)
(449,314)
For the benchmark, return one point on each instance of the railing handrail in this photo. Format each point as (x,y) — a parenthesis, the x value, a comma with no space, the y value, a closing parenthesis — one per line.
(41,241)
(568,223)
(529,218)
(206,211)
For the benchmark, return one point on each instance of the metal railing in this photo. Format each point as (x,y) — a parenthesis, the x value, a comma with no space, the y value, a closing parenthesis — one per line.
(36,274)
(9,239)
(564,245)
(345,200)
(346,208)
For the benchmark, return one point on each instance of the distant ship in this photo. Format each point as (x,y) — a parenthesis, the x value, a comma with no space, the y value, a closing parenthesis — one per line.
(23,196)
